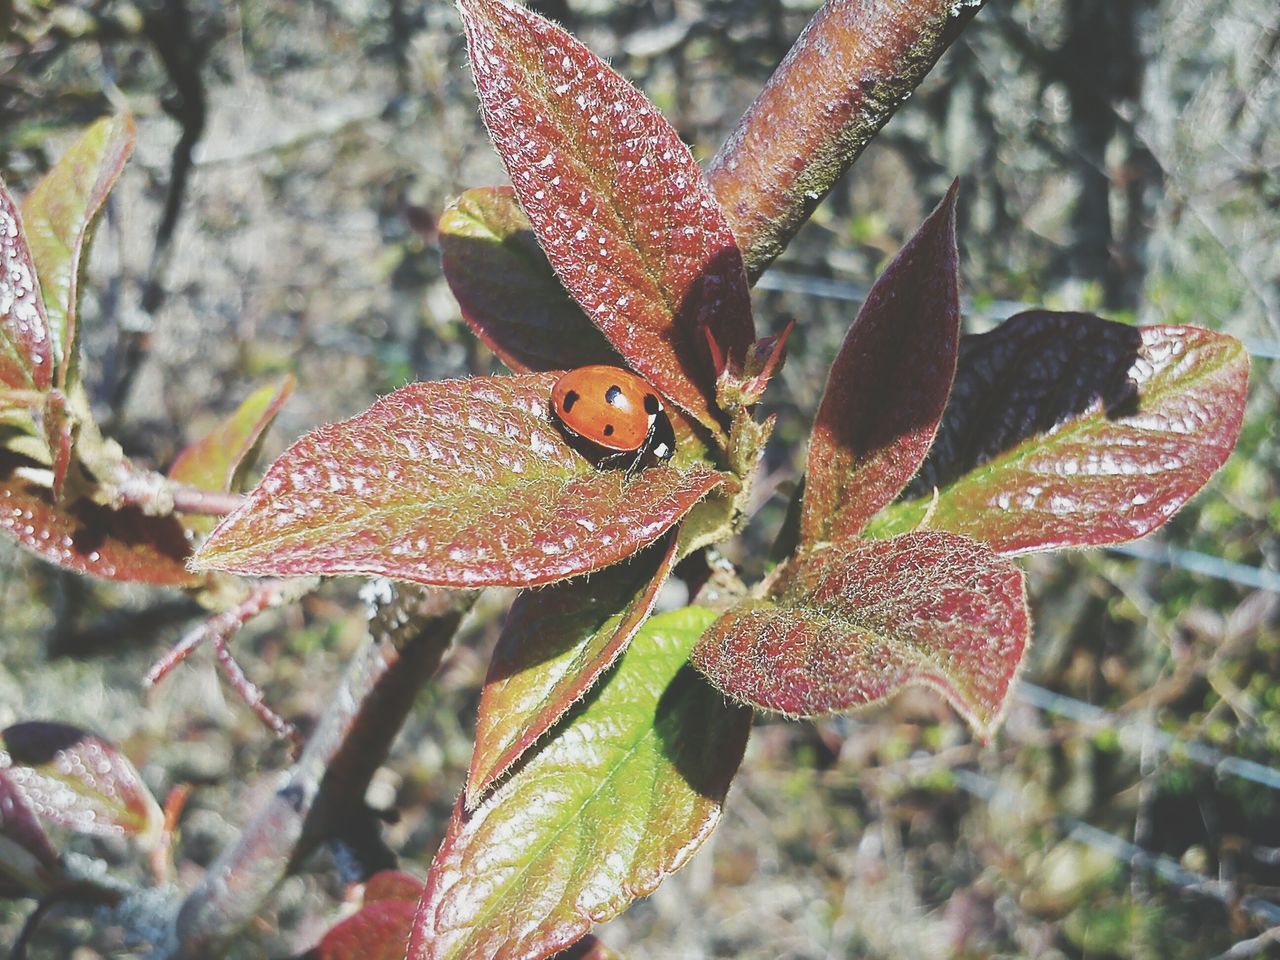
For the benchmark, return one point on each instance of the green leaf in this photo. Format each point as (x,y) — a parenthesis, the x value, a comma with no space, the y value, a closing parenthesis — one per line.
(554,646)
(1067,430)
(625,791)
(461,483)
(60,213)
(77,779)
(619,205)
(888,385)
(218,461)
(849,625)
(509,294)
(25,359)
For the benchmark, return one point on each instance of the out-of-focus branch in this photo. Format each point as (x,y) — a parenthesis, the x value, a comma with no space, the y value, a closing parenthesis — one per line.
(849,71)
(325,790)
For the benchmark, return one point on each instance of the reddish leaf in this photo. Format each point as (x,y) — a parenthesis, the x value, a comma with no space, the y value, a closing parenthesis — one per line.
(392,885)
(625,791)
(75,778)
(616,199)
(88,538)
(461,483)
(1067,430)
(888,385)
(379,931)
(25,360)
(554,646)
(218,461)
(509,295)
(27,860)
(849,625)
(60,213)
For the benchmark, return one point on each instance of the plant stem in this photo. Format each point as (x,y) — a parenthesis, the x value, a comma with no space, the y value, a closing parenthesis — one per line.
(847,74)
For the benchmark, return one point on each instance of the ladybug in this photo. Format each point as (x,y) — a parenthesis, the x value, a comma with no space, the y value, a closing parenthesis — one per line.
(618,414)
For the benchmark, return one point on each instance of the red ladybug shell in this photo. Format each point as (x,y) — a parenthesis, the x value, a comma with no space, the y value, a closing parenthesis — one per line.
(611,407)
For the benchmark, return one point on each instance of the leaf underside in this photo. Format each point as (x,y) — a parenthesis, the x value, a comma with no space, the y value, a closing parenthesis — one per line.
(618,203)
(555,644)
(1067,430)
(462,483)
(623,793)
(888,385)
(508,293)
(849,625)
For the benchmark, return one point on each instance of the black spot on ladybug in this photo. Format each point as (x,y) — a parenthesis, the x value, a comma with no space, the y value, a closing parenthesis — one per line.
(612,394)
(570,399)
(608,429)
(651,405)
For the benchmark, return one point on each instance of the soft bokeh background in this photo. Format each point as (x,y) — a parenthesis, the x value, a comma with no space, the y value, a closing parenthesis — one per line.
(1114,155)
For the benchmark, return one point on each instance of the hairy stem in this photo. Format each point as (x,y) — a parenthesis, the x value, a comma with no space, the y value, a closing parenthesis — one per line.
(849,71)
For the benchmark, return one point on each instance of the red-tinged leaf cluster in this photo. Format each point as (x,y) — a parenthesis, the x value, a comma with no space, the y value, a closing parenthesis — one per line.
(1067,430)
(619,206)
(622,794)
(508,293)
(77,779)
(888,385)
(554,646)
(462,483)
(850,624)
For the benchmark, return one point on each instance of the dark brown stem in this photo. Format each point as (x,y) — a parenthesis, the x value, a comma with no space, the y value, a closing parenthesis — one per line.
(325,790)
(850,70)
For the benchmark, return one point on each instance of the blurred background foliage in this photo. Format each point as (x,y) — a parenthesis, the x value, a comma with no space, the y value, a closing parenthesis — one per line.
(1121,156)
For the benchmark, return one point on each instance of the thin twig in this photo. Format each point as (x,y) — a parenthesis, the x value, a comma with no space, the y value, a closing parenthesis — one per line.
(252,694)
(223,626)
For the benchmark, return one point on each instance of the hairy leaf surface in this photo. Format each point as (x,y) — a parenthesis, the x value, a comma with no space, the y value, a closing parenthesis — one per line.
(623,793)
(1067,430)
(72,777)
(462,483)
(851,624)
(618,203)
(888,386)
(60,212)
(509,295)
(554,646)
